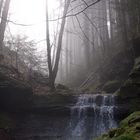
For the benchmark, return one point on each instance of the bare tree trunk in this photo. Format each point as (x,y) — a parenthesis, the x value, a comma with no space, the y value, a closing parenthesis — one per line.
(17,60)
(67,58)
(59,46)
(1,4)
(3,22)
(51,79)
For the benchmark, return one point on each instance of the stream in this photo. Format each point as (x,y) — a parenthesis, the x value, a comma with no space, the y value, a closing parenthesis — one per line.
(91,116)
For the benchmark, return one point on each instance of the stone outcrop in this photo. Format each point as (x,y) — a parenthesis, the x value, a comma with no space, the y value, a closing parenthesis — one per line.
(129,129)
(55,104)
(129,93)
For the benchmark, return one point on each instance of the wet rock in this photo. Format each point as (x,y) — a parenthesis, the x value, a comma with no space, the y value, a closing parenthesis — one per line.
(52,104)
(125,131)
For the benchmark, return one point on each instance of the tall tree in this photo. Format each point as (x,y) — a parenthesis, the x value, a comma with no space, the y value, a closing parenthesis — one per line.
(1,3)
(49,49)
(53,70)
(4,21)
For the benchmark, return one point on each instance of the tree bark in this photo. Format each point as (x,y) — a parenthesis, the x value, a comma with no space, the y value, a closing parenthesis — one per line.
(51,77)
(59,46)
(3,22)
(1,4)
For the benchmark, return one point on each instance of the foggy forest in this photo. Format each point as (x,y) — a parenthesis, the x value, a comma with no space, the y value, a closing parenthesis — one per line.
(69,70)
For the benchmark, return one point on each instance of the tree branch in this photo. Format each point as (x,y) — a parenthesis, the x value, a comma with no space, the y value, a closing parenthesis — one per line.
(96,28)
(71,15)
(19,24)
(84,32)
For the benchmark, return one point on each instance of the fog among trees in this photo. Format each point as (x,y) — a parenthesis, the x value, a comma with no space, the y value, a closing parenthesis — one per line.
(69,69)
(86,36)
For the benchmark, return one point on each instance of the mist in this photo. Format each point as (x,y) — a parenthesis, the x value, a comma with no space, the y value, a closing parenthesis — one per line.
(69,70)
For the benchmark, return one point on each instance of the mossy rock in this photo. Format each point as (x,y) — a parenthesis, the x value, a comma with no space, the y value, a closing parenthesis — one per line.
(126,137)
(134,78)
(129,129)
(119,131)
(130,119)
(112,133)
(111,86)
(129,93)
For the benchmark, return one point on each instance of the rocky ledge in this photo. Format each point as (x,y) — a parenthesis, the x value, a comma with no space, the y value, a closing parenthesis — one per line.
(129,129)
(129,93)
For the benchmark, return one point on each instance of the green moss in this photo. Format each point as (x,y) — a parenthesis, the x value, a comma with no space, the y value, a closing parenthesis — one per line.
(137,127)
(129,129)
(131,87)
(130,119)
(126,137)
(112,133)
(119,131)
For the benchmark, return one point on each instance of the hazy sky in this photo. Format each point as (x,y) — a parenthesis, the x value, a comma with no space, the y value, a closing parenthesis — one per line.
(30,12)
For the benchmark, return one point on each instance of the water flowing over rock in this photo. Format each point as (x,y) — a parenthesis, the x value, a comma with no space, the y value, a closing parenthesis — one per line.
(92,115)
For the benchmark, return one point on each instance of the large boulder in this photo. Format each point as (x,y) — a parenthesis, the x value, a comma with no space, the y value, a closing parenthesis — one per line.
(129,129)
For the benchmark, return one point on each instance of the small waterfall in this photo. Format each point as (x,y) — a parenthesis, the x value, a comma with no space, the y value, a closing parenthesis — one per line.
(92,116)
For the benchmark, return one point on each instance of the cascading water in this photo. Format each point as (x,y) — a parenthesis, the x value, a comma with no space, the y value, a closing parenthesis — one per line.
(92,116)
